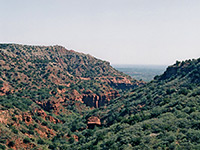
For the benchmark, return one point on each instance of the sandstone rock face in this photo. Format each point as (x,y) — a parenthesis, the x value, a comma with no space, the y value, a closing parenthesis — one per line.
(94,100)
(50,105)
(93,120)
(42,113)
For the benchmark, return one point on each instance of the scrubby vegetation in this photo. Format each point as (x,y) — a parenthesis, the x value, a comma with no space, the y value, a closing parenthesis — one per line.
(164,114)
(41,112)
(44,88)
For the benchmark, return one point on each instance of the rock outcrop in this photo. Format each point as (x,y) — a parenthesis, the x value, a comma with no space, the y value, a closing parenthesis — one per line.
(95,100)
(42,113)
(93,121)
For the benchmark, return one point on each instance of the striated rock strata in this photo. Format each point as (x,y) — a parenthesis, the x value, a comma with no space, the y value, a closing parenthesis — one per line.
(95,100)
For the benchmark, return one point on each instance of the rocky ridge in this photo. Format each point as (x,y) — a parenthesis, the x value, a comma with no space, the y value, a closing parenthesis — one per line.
(44,66)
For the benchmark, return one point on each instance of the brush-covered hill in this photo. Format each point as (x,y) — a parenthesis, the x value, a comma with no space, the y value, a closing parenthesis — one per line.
(163,114)
(45,88)
(60,71)
(44,91)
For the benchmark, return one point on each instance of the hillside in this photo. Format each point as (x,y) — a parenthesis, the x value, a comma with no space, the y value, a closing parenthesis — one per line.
(43,88)
(163,114)
(58,70)
(42,103)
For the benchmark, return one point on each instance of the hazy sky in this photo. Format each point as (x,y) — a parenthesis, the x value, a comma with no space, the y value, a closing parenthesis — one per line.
(119,31)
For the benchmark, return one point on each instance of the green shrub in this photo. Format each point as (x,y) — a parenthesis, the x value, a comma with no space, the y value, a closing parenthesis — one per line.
(40,141)
(11,144)
(71,140)
(15,131)
(26,140)
(1,84)
(44,123)
(3,147)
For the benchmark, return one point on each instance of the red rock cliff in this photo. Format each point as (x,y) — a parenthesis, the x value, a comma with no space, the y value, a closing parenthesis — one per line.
(94,100)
